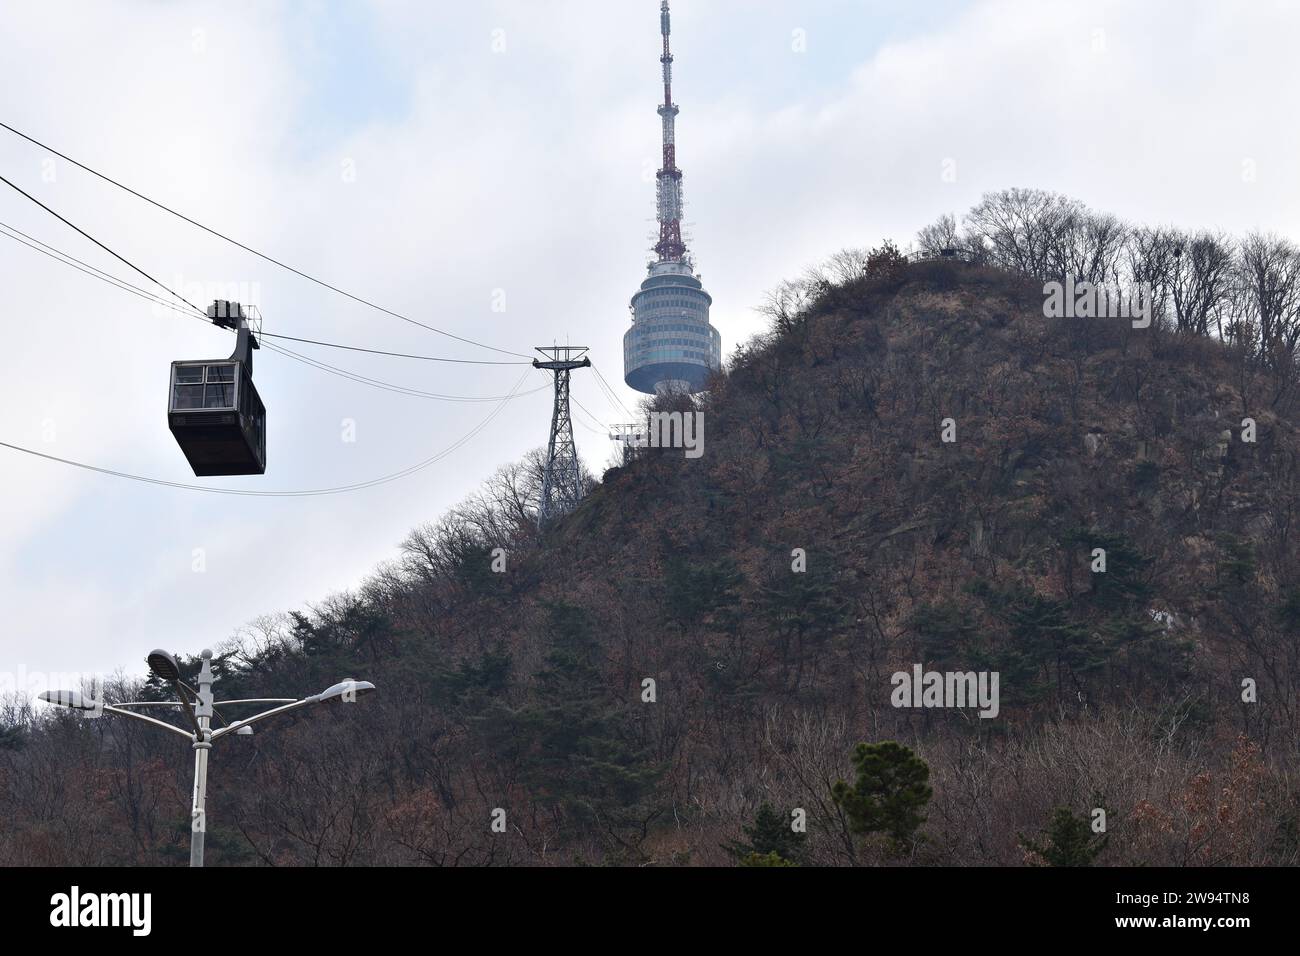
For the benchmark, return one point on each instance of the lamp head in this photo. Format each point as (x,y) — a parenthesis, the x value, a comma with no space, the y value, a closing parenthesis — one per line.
(72,699)
(348,689)
(164,666)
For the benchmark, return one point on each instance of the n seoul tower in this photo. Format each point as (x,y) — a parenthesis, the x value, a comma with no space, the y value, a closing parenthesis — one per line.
(670,347)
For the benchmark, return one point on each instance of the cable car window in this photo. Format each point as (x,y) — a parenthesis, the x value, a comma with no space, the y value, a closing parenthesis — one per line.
(188,391)
(188,396)
(220,390)
(219,395)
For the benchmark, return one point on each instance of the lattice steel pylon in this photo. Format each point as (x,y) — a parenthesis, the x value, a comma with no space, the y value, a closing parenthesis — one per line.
(629,437)
(562,481)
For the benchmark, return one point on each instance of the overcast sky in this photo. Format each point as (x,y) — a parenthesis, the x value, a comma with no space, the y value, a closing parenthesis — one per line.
(442,157)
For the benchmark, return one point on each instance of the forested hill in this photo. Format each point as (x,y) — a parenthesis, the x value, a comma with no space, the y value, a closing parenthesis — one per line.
(525,689)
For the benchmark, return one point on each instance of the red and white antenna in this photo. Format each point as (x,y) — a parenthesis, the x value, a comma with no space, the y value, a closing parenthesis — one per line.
(670,246)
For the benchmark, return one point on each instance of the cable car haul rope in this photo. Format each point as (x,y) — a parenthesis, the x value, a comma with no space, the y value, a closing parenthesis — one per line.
(214,410)
(236,243)
(313,492)
(63,258)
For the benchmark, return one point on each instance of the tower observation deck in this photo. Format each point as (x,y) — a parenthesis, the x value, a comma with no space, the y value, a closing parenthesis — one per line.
(671,347)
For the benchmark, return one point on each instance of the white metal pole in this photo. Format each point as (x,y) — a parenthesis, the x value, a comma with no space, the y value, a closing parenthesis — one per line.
(198,825)
(203,712)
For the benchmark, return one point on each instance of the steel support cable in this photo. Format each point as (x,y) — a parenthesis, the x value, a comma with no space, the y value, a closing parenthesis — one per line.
(583,408)
(96,273)
(21,237)
(69,259)
(201,315)
(310,493)
(405,355)
(605,394)
(388,386)
(249,249)
(115,255)
(611,394)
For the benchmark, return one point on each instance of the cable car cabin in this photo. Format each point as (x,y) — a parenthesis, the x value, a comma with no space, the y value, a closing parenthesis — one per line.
(215,413)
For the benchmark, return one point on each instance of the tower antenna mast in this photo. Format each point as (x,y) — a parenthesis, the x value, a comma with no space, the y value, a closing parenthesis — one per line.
(670,246)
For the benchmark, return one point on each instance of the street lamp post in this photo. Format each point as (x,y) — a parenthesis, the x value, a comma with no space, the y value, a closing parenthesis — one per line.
(202,744)
(199,709)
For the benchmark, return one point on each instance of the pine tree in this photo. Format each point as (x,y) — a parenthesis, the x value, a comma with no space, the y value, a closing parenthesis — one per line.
(1125,582)
(577,744)
(702,588)
(770,835)
(890,794)
(1069,840)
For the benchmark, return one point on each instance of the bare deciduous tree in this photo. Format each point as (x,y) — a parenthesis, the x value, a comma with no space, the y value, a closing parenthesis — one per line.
(1022,227)
(786,305)
(938,237)
(1268,273)
(1201,279)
